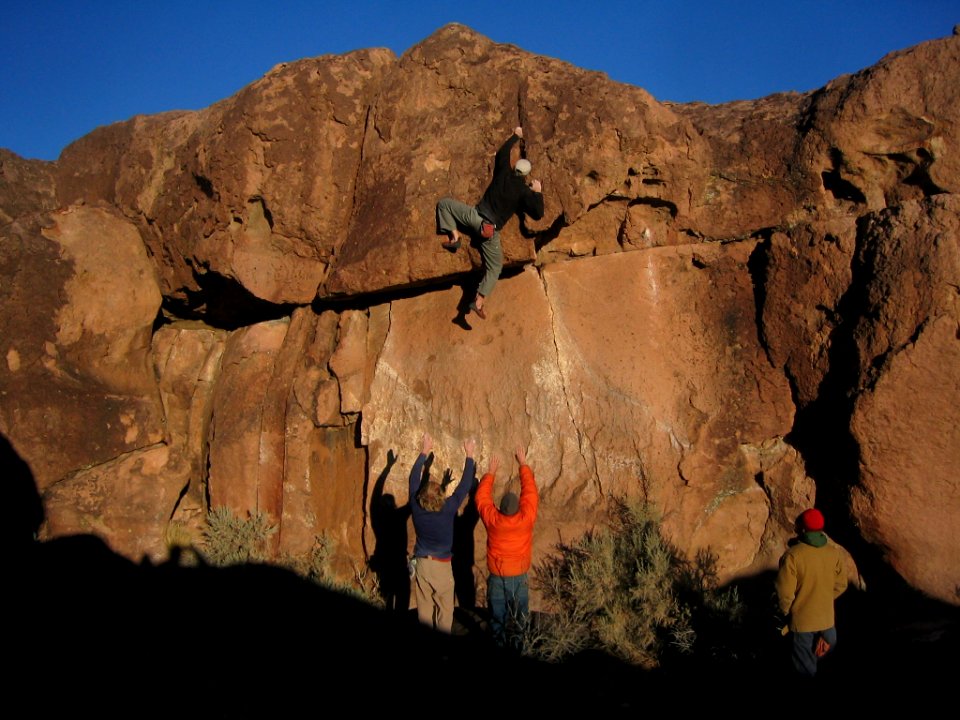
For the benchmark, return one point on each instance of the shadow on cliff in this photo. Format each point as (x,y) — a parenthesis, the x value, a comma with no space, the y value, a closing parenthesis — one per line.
(102,631)
(388,522)
(22,497)
(99,632)
(223,302)
(89,630)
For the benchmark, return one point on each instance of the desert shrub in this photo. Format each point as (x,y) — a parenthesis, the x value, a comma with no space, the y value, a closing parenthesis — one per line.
(717,615)
(625,590)
(232,540)
(366,586)
(316,565)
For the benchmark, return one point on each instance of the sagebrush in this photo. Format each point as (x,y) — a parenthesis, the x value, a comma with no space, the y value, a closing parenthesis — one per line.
(232,540)
(317,566)
(625,590)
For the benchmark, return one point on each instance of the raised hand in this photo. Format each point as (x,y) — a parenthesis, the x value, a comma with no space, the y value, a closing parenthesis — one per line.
(469,446)
(426,444)
(518,131)
(494,465)
(521,456)
(536,186)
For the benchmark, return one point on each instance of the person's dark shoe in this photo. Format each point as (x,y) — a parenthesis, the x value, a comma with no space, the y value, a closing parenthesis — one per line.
(479,311)
(451,245)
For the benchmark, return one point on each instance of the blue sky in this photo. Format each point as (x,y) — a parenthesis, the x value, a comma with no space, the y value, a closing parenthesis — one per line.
(71,66)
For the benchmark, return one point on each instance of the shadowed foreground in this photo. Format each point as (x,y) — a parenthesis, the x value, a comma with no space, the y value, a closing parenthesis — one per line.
(92,631)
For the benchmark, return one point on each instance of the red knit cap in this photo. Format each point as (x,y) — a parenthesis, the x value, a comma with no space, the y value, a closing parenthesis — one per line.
(811,520)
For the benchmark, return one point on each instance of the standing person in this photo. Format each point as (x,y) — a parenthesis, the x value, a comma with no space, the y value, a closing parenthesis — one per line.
(810,578)
(433,516)
(509,550)
(506,195)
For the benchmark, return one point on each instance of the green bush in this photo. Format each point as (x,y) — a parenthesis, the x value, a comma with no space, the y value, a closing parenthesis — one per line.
(625,590)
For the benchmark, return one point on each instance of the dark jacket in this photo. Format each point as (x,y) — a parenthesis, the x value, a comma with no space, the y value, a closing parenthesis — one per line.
(508,193)
(435,529)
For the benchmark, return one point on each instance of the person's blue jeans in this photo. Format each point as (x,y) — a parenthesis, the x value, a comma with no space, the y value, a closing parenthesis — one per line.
(804,658)
(508,599)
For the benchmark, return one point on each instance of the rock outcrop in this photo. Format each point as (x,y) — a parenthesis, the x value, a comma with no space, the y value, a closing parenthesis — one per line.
(730,312)
(906,499)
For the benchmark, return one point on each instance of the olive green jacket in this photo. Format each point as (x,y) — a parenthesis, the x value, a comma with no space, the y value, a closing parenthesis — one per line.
(810,578)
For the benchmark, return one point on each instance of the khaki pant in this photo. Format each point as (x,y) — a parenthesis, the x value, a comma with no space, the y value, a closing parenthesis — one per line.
(453,213)
(434,591)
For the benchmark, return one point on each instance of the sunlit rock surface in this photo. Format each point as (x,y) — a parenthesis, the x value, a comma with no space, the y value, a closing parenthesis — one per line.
(732,312)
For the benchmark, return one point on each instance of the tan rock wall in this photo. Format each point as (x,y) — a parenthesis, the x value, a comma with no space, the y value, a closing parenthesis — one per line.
(243,451)
(77,379)
(670,389)
(635,376)
(907,500)
(187,366)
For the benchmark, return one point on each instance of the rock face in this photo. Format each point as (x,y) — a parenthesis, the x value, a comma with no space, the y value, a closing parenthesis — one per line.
(908,497)
(80,398)
(78,381)
(604,408)
(25,186)
(731,312)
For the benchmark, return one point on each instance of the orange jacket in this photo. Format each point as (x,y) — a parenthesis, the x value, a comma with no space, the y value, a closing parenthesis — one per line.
(509,537)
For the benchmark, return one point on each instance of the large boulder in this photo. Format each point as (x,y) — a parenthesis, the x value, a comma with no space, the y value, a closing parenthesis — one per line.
(888,134)
(252,195)
(80,400)
(907,500)
(636,376)
(79,300)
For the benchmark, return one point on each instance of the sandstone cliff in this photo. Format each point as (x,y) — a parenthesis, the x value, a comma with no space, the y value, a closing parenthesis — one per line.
(731,311)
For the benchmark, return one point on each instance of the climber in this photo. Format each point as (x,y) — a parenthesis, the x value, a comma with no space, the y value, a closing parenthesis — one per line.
(507,194)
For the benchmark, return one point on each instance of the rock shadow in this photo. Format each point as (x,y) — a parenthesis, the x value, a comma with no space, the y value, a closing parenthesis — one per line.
(463,307)
(464,554)
(389,558)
